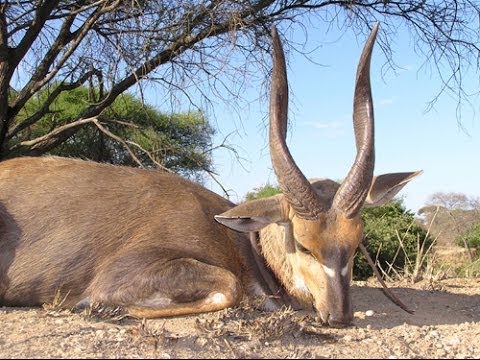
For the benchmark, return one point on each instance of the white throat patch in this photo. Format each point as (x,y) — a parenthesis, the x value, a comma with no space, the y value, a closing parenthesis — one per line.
(299,284)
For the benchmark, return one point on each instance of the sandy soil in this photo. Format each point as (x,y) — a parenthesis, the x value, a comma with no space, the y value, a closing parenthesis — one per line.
(446,324)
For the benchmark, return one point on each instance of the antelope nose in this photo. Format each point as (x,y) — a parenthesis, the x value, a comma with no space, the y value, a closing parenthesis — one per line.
(341,321)
(336,321)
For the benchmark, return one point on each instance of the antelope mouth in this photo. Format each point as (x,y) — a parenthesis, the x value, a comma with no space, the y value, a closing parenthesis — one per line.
(327,319)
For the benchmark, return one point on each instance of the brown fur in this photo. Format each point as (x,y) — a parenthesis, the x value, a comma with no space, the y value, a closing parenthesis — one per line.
(118,236)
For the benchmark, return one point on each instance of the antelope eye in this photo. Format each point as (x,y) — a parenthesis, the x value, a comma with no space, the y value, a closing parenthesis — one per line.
(303,249)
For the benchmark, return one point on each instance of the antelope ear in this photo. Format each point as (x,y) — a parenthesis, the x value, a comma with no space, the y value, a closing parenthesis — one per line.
(254,215)
(385,187)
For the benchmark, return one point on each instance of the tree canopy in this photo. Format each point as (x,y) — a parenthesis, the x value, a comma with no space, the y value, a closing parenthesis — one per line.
(113,45)
(453,200)
(180,142)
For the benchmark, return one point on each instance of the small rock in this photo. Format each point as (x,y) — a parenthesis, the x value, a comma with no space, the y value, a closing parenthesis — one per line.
(201,341)
(441,352)
(454,341)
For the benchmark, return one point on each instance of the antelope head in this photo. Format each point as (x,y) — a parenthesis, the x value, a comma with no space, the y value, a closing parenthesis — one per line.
(321,220)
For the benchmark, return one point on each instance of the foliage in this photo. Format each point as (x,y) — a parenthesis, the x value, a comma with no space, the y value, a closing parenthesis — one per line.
(262,192)
(461,267)
(179,142)
(469,269)
(392,237)
(471,237)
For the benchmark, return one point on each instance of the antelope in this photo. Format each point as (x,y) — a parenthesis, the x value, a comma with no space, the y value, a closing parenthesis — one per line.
(159,245)
(309,233)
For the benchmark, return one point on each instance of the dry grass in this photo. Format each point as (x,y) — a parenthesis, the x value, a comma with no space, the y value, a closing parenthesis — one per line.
(432,263)
(57,303)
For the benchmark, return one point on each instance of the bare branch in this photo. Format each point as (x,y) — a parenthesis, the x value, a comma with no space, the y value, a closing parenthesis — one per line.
(117,138)
(42,12)
(150,156)
(48,141)
(385,289)
(50,99)
(208,48)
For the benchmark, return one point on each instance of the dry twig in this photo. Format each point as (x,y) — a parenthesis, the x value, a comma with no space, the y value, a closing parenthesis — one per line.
(385,289)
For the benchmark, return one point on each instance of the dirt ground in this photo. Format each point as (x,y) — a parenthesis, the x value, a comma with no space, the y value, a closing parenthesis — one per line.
(446,324)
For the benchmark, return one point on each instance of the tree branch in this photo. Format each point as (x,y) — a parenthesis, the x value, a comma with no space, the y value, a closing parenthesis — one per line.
(385,289)
(50,99)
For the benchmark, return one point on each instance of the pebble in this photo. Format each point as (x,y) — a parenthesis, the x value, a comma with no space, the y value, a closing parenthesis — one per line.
(201,341)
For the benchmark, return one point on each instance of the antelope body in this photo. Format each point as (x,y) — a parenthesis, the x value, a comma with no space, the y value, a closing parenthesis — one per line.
(160,245)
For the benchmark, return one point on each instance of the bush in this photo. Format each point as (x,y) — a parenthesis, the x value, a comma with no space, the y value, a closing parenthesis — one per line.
(262,192)
(471,269)
(471,237)
(392,236)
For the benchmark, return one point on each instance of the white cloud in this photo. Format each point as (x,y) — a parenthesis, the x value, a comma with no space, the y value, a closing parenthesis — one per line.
(331,129)
(385,102)
(323,125)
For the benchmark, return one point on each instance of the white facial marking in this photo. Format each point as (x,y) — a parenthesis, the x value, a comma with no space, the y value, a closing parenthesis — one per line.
(300,285)
(330,272)
(344,271)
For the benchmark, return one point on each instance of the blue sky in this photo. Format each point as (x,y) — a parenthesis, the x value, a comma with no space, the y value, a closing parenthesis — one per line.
(321,136)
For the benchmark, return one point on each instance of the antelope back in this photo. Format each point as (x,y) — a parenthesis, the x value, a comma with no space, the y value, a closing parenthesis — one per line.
(310,232)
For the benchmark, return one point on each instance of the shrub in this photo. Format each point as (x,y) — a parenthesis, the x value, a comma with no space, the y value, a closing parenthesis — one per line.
(470,269)
(470,237)
(393,237)
(262,192)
